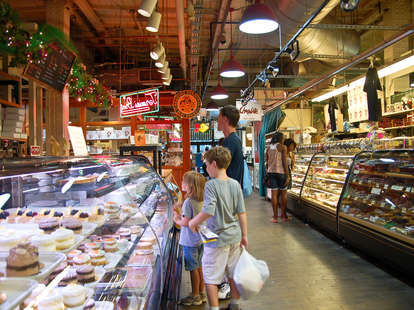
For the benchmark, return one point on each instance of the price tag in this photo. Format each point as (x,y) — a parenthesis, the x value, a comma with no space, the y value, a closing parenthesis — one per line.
(376,191)
(397,188)
(386,186)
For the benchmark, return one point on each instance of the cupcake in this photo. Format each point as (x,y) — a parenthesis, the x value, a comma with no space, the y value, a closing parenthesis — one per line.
(74,295)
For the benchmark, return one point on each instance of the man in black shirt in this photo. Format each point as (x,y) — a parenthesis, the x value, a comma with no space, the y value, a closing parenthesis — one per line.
(227,122)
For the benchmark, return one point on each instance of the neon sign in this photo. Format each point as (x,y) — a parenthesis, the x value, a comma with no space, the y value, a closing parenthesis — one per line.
(139,102)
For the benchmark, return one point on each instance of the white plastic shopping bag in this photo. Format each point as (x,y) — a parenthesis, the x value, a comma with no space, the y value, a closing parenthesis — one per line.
(249,275)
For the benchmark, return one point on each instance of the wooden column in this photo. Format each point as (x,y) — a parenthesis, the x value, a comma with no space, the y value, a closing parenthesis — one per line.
(58,15)
(35,114)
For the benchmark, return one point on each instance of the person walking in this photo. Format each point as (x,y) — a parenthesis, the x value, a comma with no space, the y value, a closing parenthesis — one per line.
(193,184)
(225,215)
(227,122)
(277,168)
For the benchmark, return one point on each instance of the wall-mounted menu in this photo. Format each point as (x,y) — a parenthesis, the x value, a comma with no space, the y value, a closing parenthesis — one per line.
(54,70)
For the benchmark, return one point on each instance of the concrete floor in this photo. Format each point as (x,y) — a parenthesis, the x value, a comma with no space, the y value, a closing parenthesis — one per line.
(309,271)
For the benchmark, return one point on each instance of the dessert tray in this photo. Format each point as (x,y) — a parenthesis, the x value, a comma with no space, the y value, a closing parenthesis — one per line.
(78,240)
(49,261)
(16,289)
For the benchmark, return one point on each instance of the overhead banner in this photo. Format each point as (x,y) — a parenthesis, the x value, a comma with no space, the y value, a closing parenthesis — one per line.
(187,104)
(252,111)
(139,102)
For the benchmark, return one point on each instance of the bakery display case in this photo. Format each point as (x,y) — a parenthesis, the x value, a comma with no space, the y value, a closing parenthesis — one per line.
(376,212)
(93,232)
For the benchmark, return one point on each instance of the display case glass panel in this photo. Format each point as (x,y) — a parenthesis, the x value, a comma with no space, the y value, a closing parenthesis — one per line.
(299,172)
(380,193)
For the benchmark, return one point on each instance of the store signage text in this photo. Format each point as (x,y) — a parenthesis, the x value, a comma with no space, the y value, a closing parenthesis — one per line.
(250,111)
(137,103)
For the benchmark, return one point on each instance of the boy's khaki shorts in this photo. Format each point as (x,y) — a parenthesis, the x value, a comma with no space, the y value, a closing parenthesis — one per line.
(218,262)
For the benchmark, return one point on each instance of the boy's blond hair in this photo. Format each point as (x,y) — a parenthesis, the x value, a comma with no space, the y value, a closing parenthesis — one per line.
(220,155)
(196,181)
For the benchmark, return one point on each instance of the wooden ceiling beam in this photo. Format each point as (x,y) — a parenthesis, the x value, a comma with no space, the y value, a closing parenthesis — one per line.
(90,14)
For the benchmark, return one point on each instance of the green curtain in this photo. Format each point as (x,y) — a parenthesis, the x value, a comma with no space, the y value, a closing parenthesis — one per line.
(271,122)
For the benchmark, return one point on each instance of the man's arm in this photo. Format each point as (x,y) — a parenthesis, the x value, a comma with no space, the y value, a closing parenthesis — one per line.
(196,221)
(243,227)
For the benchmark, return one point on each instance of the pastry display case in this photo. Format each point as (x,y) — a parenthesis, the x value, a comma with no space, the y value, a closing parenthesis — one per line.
(93,232)
(377,209)
(299,172)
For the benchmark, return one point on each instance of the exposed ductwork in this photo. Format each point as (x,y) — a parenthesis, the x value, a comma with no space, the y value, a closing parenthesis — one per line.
(181,35)
(290,13)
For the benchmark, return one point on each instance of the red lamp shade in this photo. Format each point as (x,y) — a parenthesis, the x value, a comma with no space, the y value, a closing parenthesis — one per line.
(232,69)
(258,18)
(219,93)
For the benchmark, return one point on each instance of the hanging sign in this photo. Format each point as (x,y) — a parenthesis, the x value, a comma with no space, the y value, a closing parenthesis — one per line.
(35,150)
(139,102)
(187,104)
(252,111)
(201,127)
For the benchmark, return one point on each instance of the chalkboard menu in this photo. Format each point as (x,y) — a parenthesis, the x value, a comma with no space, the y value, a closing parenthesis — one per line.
(54,70)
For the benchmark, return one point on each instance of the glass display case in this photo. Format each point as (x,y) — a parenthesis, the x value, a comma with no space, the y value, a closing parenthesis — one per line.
(299,172)
(380,193)
(107,221)
(325,180)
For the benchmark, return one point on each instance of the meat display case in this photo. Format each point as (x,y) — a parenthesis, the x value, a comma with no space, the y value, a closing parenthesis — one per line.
(376,212)
(118,199)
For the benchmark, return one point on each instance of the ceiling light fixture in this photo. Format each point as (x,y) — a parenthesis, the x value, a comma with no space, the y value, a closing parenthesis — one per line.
(218,93)
(164,69)
(349,5)
(147,7)
(167,82)
(258,18)
(212,106)
(154,22)
(166,74)
(161,61)
(232,68)
(157,51)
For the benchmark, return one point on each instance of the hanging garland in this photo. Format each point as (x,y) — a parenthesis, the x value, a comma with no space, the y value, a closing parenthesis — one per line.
(28,48)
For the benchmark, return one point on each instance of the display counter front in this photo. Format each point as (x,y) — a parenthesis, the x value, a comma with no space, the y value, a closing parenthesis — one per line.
(98,228)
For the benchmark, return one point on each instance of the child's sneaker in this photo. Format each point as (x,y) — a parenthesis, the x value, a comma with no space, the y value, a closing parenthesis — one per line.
(203,297)
(191,301)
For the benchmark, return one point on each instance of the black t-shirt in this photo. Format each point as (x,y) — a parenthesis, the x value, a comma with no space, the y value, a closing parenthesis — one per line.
(234,144)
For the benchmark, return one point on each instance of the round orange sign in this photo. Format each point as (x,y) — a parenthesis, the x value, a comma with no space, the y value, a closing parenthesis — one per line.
(187,104)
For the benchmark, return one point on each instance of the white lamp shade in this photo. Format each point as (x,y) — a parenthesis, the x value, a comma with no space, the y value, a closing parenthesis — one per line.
(167,82)
(164,69)
(157,51)
(147,7)
(154,22)
(166,75)
(160,62)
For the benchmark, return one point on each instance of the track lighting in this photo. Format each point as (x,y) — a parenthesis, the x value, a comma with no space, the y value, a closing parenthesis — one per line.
(167,82)
(161,61)
(154,22)
(293,50)
(349,5)
(164,69)
(147,7)
(166,75)
(157,51)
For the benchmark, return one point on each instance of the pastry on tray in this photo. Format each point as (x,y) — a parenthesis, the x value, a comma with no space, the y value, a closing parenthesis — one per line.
(65,238)
(52,301)
(44,242)
(85,274)
(74,295)
(23,261)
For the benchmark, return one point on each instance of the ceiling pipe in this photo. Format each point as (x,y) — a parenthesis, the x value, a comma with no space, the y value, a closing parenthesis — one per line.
(179,4)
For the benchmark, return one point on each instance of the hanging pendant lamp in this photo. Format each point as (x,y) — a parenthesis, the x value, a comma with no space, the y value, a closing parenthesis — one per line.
(154,22)
(232,68)
(147,7)
(219,93)
(157,51)
(258,18)
(212,106)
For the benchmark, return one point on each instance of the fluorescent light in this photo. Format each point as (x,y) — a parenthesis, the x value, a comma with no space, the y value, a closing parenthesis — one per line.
(398,66)
(333,93)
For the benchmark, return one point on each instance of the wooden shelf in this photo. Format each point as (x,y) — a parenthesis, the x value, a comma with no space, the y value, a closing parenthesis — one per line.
(10,104)
(399,127)
(398,113)
(13,139)
(4,76)
(388,174)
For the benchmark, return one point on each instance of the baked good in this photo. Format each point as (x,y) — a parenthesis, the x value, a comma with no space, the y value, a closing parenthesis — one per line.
(58,270)
(73,295)
(8,241)
(44,242)
(38,289)
(3,297)
(136,230)
(90,246)
(125,233)
(143,245)
(128,208)
(83,216)
(110,245)
(72,254)
(52,301)
(49,224)
(97,257)
(112,209)
(85,179)
(69,277)
(89,304)
(148,238)
(85,274)
(22,261)
(73,224)
(95,238)
(81,259)
(64,238)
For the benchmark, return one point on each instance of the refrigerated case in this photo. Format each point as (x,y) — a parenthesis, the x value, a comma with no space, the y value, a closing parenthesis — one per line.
(376,213)
(119,205)
(322,188)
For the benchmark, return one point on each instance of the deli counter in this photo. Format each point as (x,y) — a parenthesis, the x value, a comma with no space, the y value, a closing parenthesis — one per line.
(98,232)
